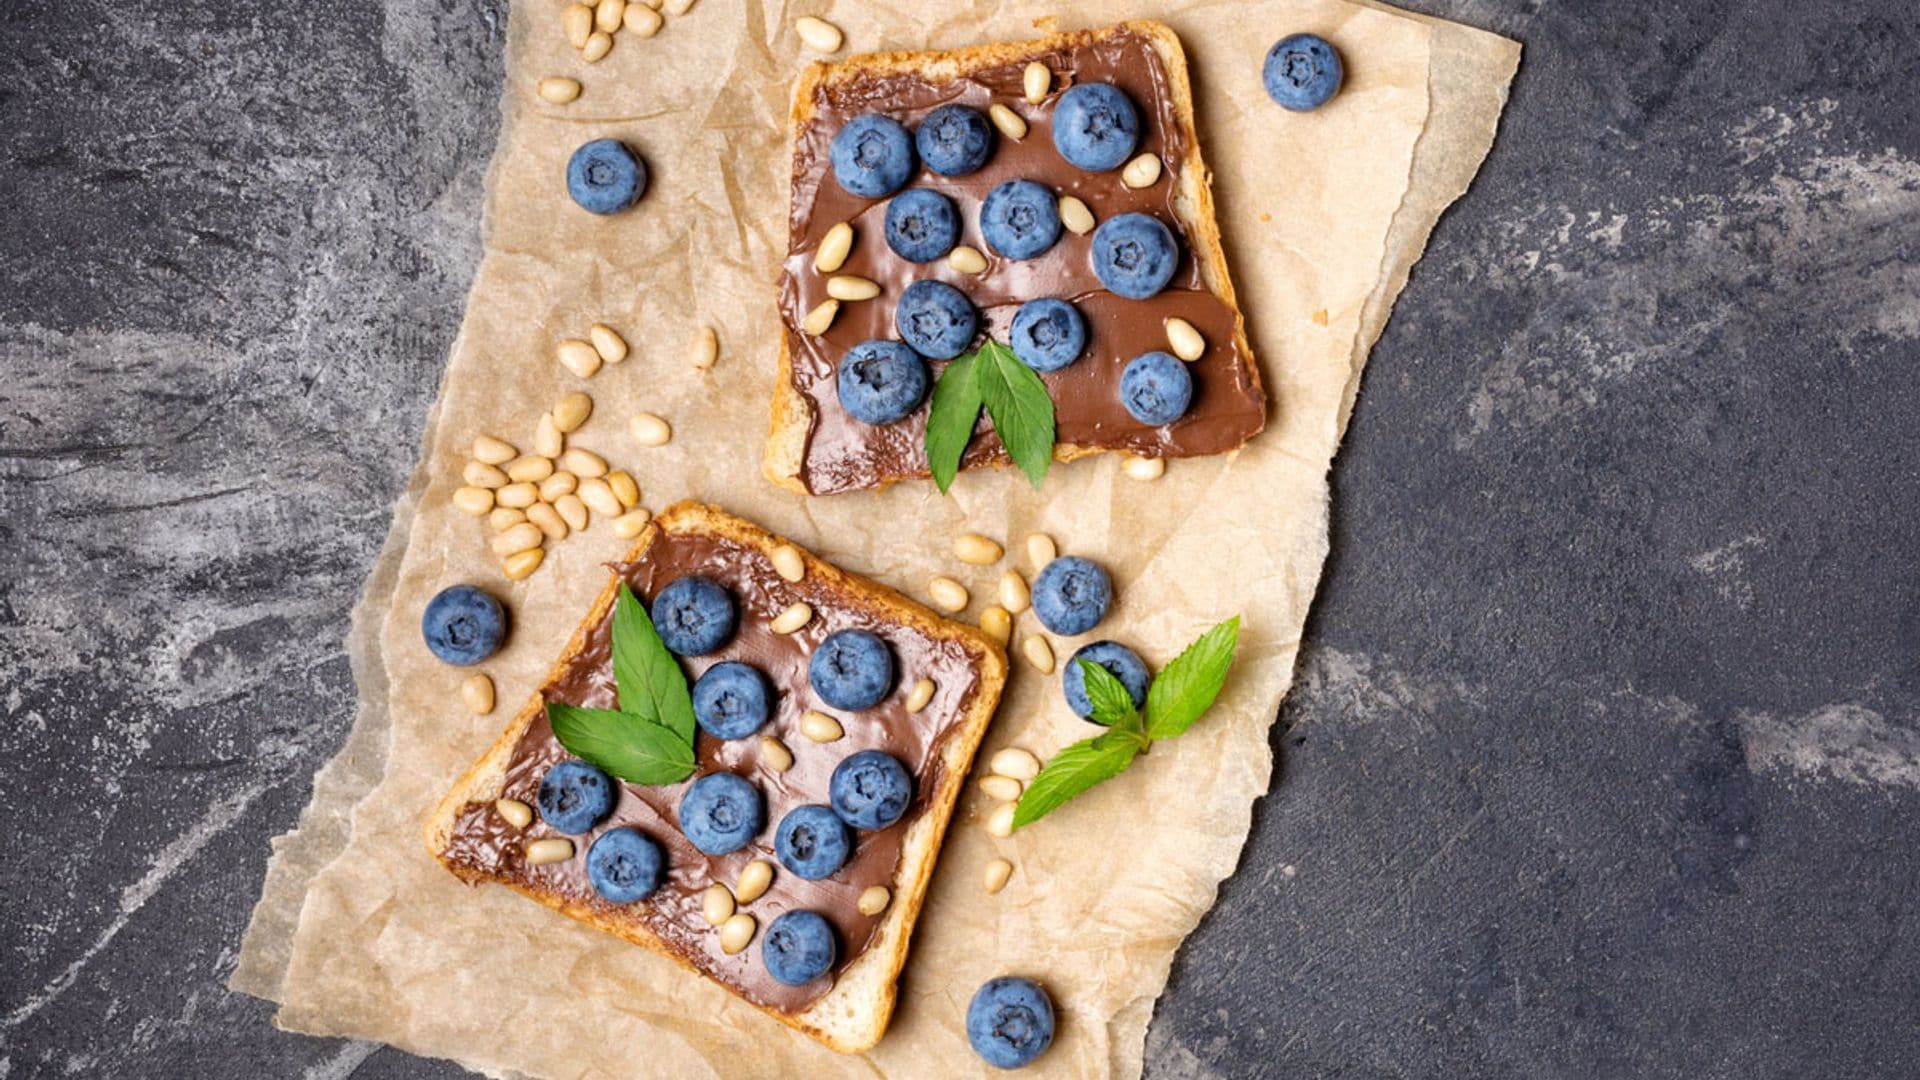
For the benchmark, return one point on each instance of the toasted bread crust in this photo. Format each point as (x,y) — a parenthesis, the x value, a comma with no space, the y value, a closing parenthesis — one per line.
(792,415)
(853,1015)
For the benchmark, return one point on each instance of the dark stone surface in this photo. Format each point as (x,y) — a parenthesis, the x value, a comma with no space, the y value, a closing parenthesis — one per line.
(1605,759)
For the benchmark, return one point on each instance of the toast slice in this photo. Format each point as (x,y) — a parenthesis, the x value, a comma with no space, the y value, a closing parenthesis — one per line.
(814,448)
(849,1008)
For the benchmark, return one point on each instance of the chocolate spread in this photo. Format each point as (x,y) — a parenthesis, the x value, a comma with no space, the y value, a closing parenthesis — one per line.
(844,454)
(485,842)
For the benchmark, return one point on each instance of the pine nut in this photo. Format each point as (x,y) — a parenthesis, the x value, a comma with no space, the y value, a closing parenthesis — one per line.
(920,695)
(606,14)
(571,411)
(948,595)
(820,318)
(874,900)
(1010,123)
(997,622)
(1041,550)
(738,933)
(642,21)
(834,247)
(547,439)
(796,616)
(522,564)
(548,520)
(995,879)
(1141,171)
(778,757)
(649,430)
(820,35)
(1038,653)
(1003,788)
(584,464)
(1016,763)
(558,90)
(716,904)
(628,525)
(577,20)
(599,44)
(517,539)
(599,498)
(473,500)
(755,877)
(1075,215)
(1036,80)
(1000,822)
(820,727)
(625,488)
(505,517)
(477,692)
(530,467)
(491,451)
(560,483)
(578,357)
(572,511)
(552,849)
(678,7)
(967,260)
(607,342)
(517,496)
(849,287)
(514,812)
(482,475)
(705,349)
(1014,595)
(1186,341)
(788,563)
(976,550)
(1145,468)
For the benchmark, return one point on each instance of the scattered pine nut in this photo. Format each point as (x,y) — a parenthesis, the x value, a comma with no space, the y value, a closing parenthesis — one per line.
(738,933)
(1010,123)
(491,451)
(948,595)
(704,350)
(531,467)
(995,879)
(1037,79)
(482,475)
(1144,468)
(650,430)
(505,517)
(572,511)
(517,539)
(1041,550)
(625,488)
(976,550)
(1000,822)
(820,727)
(820,35)
(1038,653)
(473,500)
(1016,763)
(607,342)
(1004,788)
(628,525)
(967,260)
(514,812)
(716,904)
(548,520)
(584,464)
(599,44)
(599,498)
(1186,341)
(920,695)
(558,90)
(571,411)
(560,483)
(997,623)
(477,692)
(755,877)
(834,247)
(678,7)
(642,21)
(547,438)
(874,900)
(788,563)
(607,13)
(797,615)
(578,357)
(849,287)
(778,757)
(551,849)
(522,564)
(1014,594)
(1141,172)
(577,20)
(821,317)
(517,496)
(1075,215)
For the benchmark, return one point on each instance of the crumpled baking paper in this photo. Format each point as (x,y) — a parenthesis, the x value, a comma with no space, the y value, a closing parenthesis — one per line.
(360,933)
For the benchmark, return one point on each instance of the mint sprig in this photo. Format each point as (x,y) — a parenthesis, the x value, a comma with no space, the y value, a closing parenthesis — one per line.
(1015,399)
(1183,691)
(648,739)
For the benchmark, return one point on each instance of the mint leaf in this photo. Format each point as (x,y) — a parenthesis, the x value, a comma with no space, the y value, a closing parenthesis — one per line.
(1188,686)
(636,750)
(950,420)
(1072,771)
(652,686)
(1129,729)
(1022,412)
(1111,702)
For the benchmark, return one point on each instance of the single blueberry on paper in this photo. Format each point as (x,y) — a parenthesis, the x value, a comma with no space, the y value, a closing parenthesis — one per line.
(1010,1022)
(463,625)
(1302,72)
(605,177)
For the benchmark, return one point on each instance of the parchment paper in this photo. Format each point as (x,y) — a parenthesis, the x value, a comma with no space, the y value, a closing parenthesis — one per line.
(1323,217)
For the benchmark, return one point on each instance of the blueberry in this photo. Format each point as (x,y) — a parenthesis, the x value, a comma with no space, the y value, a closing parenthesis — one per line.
(1156,388)
(1134,255)
(881,381)
(852,669)
(921,225)
(1302,72)
(813,842)
(463,625)
(605,177)
(721,812)
(872,156)
(575,796)
(1010,1022)
(936,319)
(1095,127)
(1020,219)
(799,948)
(954,140)
(1048,334)
(1072,595)
(625,865)
(694,615)
(1124,663)
(731,700)
(870,790)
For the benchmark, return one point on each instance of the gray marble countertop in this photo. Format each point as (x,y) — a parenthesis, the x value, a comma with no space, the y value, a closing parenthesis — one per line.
(1605,754)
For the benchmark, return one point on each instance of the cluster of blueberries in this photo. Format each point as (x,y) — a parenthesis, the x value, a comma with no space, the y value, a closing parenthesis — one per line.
(1070,596)
(1096,128)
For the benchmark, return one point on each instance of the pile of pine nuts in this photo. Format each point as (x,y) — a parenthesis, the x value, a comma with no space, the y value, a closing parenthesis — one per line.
(590,27)
(1010,770)
(720,906)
